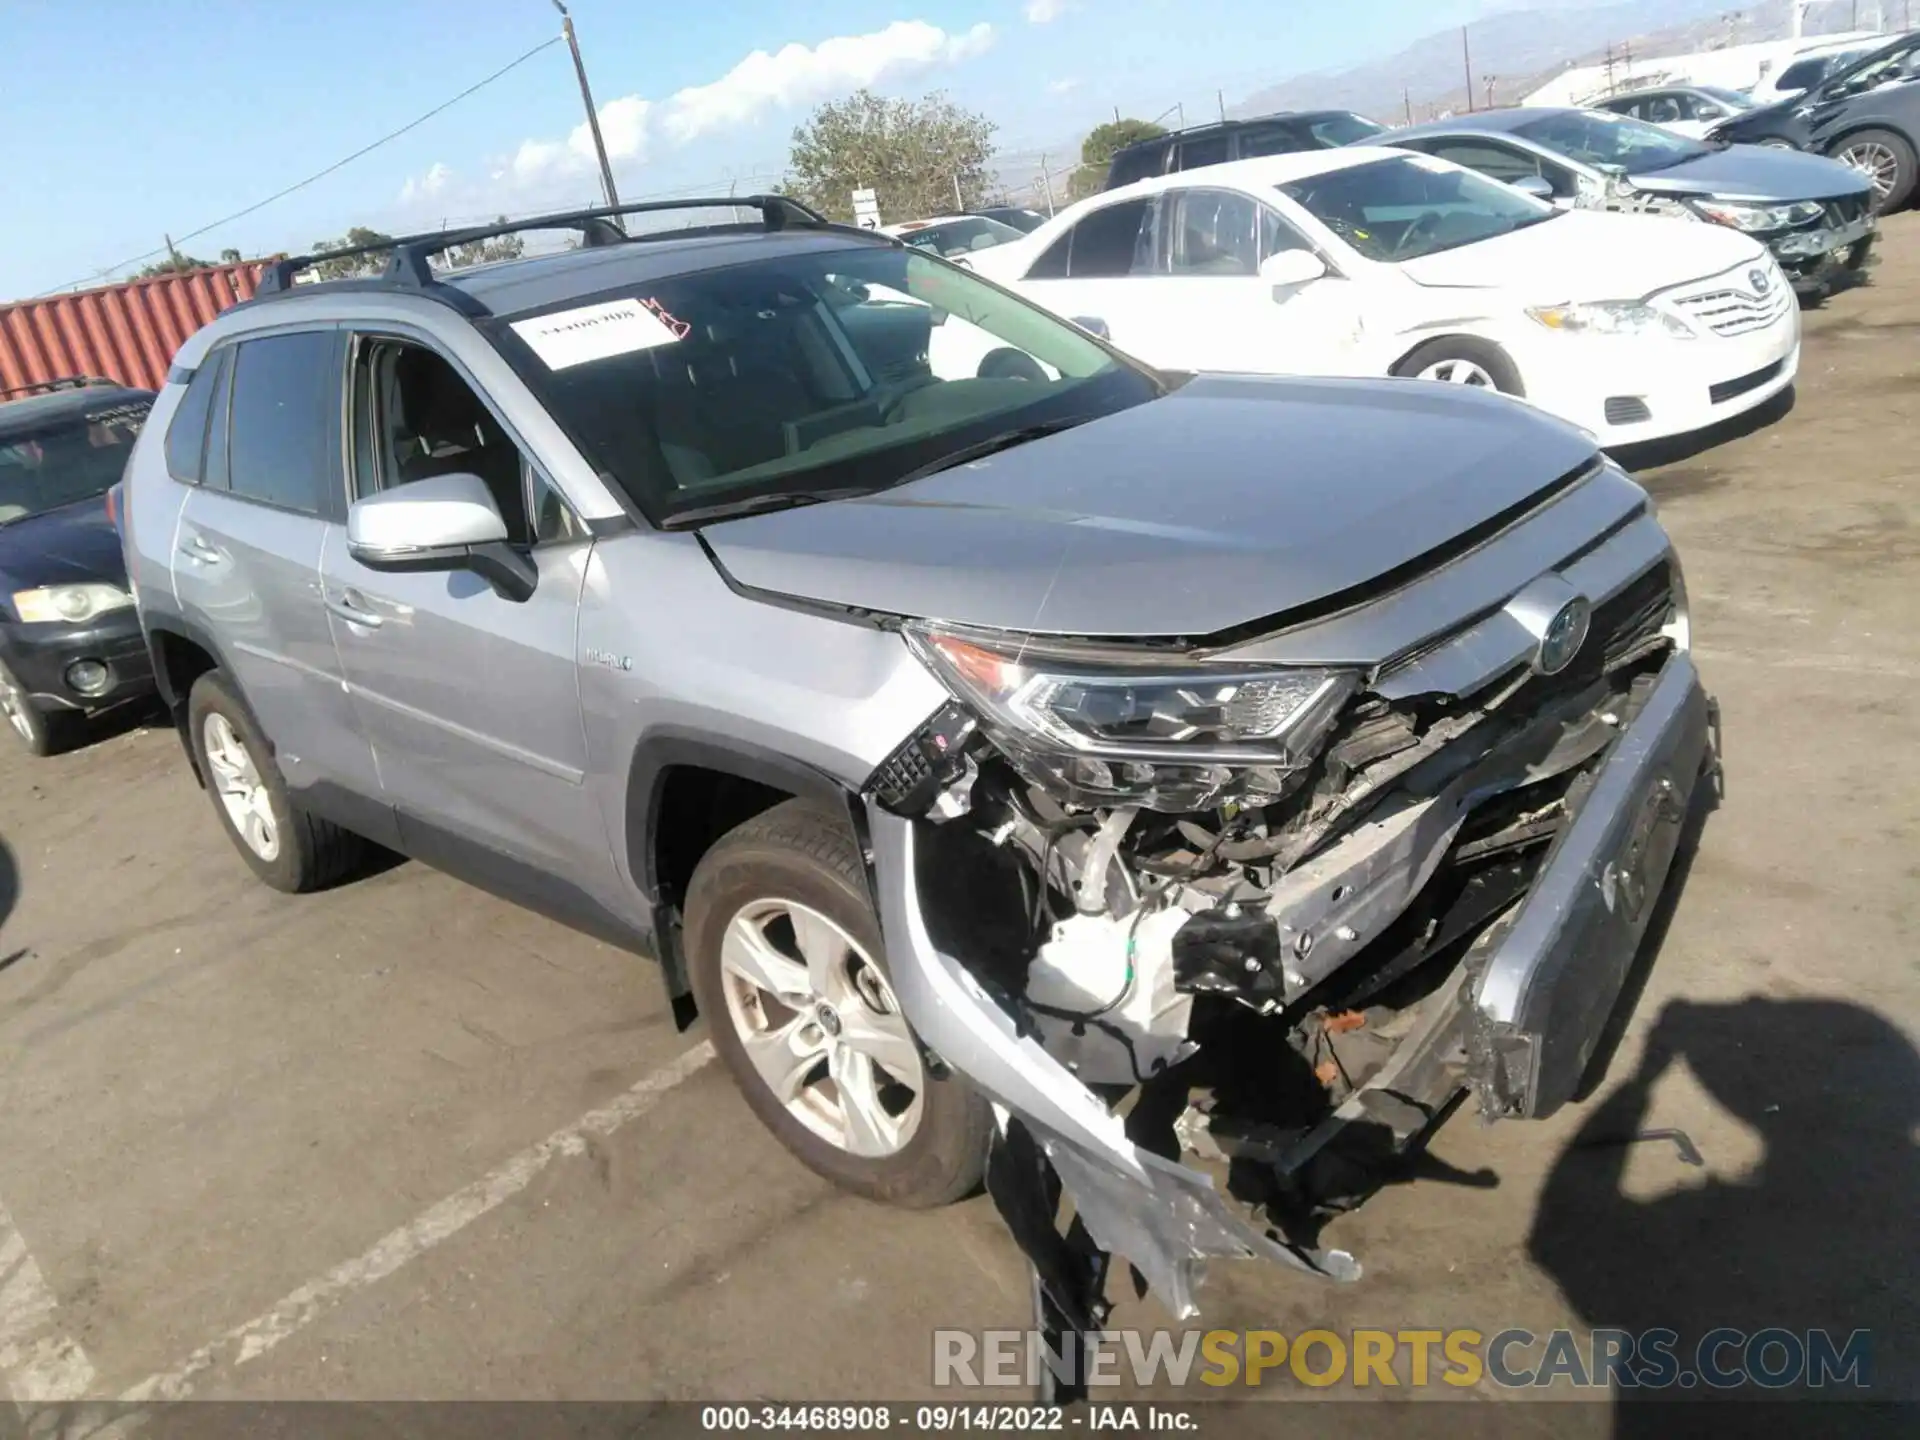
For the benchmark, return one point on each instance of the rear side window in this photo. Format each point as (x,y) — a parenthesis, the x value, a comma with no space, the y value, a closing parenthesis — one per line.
(281,448)
(1136,164)
(1208,150)
(1271,140)
(1114,241)
(187,435)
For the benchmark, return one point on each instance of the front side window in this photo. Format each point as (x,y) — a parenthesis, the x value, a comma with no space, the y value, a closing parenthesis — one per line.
(1611,142)
(1506,163)
(1409,206)
(1271,140)
(1884,67)
(1215,232)
(415,417)
(66,461)
(778,380)
(280,445)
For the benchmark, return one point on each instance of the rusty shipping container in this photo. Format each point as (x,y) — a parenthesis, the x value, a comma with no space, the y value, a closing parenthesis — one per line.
(122,332)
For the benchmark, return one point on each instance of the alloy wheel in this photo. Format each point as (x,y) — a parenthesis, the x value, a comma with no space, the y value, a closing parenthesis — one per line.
(1877,163)
(821,1027)
(1459,372)
(236,779)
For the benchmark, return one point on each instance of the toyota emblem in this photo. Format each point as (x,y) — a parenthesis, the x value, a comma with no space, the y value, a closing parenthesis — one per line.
(1758,279)
(1564,636)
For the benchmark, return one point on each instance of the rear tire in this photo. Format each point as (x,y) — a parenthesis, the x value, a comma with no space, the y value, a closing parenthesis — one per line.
(798,862)
(43,732)
(1463,360)
(289,848)
(1884,158)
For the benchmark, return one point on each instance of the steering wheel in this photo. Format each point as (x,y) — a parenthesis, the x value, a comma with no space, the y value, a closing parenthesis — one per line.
(1426,221)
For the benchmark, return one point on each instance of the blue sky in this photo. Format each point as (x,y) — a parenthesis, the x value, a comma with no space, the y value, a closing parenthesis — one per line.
(127,121)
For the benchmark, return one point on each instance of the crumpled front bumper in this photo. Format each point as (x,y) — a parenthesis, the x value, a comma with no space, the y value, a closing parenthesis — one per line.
(1533,1014)
(1164,1217)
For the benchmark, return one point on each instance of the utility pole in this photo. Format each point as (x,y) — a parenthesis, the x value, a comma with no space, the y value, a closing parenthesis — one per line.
(586,96)
(173,255)
(1491,80)
(1466,61)
(1406,99)
(1221,96)
(1046,179)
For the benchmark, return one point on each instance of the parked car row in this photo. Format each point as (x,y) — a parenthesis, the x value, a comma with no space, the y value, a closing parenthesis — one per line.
(1166,792)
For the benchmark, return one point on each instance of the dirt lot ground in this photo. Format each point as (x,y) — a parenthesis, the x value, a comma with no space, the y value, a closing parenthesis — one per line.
(403,1141)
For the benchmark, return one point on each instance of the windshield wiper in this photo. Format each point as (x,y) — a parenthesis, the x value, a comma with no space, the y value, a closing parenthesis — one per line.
(759,505)
(992,445)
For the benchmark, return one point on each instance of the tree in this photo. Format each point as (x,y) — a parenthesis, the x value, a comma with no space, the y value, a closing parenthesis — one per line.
(485,252)
(176,263)
(1099,147)
(351,266)
(911,153)
(229,257)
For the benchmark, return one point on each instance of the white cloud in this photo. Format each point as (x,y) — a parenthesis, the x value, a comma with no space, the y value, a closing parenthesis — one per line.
(763,82)
(1061,87)
(799,74)
(439,175)
(1045,12)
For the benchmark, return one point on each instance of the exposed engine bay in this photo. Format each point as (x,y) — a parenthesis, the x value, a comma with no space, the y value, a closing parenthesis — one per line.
(1232,952)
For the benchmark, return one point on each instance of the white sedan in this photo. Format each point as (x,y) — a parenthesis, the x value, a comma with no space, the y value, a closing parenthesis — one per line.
(1372,261)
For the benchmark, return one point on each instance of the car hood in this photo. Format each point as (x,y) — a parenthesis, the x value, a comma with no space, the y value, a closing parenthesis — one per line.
(67,546)
(1586,255)
(1232,499)
(1755,172)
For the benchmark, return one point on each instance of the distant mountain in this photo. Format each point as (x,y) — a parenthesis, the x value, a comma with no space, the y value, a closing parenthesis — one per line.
(1523,48)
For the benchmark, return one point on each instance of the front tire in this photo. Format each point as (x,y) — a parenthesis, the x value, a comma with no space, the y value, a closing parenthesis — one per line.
(43,732)
(289,848)
(1885,159)
(785,957)
(1463,360)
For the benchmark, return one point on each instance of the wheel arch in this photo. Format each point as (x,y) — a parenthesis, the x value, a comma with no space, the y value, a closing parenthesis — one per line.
(686,789)
(181,653)
(1402,365)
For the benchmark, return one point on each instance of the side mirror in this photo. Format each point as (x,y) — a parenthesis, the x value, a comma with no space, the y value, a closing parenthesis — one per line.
(448,522)
(1534,185)
(1292,267)
(1093,325)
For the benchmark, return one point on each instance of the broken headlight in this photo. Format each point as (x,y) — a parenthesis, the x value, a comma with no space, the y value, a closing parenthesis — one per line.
(1104,728)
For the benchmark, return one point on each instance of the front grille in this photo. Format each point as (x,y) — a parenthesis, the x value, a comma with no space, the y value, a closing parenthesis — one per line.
(1846,210)
(1624,627)
(1736,311)
(1627,410)
(1727,389)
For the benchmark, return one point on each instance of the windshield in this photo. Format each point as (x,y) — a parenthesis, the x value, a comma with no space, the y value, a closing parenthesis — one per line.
(1896,63)
(75,460)
(1345,128)
(956,237)
(1414,205)
(837,370)
(1732,99)
(1615,142)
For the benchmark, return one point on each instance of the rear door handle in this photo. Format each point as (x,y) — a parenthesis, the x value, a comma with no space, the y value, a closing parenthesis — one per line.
(196,548)
(351,607)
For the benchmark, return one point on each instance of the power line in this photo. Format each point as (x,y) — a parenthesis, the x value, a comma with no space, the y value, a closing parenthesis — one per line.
(319,174)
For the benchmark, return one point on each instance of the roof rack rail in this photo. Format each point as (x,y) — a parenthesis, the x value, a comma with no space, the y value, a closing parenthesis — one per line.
(409,263)
(63,382)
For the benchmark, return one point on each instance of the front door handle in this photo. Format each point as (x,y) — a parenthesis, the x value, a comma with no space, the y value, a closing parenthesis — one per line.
(351,607)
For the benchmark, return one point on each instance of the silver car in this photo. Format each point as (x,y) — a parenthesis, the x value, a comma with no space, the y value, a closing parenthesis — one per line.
(1815,214)
(1174,789)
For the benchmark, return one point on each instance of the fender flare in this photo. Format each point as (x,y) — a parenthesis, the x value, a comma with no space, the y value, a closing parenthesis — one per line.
(175,701)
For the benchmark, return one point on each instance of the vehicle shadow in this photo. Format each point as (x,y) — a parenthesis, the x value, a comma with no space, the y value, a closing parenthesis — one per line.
(1810,1239)
(1651,453)
(91,730)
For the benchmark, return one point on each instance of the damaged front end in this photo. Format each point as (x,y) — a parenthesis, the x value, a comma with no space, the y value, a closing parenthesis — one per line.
(1224,933)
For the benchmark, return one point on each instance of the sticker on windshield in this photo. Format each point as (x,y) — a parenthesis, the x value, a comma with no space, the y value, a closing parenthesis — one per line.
(594,332)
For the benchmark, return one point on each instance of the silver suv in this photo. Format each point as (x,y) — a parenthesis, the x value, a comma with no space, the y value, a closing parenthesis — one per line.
(1173,789)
